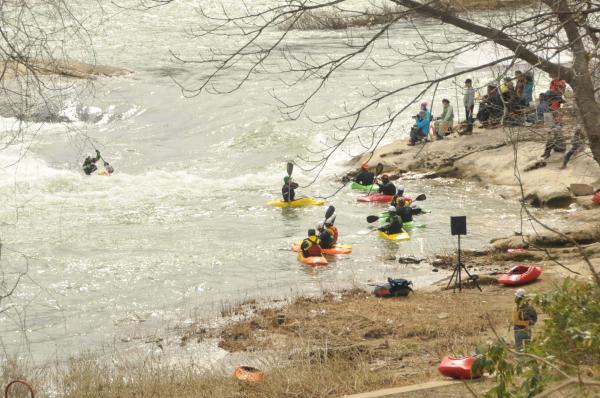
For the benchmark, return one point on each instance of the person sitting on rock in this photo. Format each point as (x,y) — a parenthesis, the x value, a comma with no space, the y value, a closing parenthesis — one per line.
(443,124)
(364,176)
(420,130)
(387,187)
(490,107)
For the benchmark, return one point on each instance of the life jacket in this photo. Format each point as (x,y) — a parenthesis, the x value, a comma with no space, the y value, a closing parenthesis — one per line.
(334,232)
(310,247)
(517,318)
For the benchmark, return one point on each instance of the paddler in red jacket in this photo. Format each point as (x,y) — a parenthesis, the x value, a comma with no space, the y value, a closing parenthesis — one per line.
(311,246)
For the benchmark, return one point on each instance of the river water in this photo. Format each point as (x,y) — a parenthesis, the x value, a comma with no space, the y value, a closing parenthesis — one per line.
(182,227)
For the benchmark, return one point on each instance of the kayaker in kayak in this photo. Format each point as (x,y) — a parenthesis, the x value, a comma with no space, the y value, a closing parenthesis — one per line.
(109,169)
(524,317)
(288,189)
(89,164)
(333,230)
(404,212)
(364,176)
(386,187)
(325,237)
(393,223)
(311,246)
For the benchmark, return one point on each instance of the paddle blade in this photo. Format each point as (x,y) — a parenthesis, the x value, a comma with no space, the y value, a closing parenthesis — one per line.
(378,169)
(332,221)
(329,212)
(290,168)
(421,197)
(371,219)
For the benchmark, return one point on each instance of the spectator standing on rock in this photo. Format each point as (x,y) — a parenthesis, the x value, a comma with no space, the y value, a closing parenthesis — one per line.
(523,318)
(577,145)
(556,93)
(555,140)
(469,103)
(443,124)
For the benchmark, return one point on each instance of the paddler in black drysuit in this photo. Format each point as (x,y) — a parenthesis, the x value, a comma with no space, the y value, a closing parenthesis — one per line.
(89,164)
(403,211)
(386,187)
(364,176)
(311,246)
(393,223)
(326,237)
(287,191)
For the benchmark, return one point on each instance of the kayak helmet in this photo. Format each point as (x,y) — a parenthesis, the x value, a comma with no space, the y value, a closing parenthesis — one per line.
(312,232)
(520,293)
(365,165)
(286,178)
(424,104)
(385,178)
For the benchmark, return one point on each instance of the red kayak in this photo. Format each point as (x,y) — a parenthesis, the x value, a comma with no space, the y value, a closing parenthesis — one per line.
(458,368)
(375,197)
(520,275)
(596,198)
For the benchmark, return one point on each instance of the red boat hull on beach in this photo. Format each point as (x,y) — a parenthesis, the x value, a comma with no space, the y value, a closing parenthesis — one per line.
(458,368)
(520,275)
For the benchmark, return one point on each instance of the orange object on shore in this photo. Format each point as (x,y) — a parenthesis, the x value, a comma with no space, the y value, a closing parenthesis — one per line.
(249,374)
(458,368)
(596,198)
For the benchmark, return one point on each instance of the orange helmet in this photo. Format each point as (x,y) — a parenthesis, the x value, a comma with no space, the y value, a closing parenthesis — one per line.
(365,165)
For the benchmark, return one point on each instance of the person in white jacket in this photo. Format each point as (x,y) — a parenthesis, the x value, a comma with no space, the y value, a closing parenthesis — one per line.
(443,124)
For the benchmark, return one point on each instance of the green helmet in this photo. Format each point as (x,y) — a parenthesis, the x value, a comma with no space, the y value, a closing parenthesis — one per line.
(286,178)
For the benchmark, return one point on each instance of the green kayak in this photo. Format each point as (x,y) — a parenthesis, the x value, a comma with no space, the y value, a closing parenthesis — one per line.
(367,188)
(405,225)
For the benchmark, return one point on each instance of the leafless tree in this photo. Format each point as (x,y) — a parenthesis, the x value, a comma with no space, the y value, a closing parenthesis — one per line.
(249,37)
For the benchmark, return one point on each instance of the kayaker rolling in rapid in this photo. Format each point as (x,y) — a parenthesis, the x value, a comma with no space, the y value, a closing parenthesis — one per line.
(364,176)
(89,164)
(393,223)
(311,246)
(288,190)
(386,187)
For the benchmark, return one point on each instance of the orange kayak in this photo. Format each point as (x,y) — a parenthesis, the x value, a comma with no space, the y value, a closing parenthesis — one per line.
(338,248)
(313,260)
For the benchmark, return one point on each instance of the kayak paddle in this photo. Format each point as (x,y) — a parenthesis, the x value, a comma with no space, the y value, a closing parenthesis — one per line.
(378,170)
(328,213)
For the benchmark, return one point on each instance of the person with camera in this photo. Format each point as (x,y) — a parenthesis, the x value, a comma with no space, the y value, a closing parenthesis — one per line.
(420,130)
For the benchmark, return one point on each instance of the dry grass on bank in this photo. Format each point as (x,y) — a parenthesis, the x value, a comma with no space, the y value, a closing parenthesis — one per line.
(338,344)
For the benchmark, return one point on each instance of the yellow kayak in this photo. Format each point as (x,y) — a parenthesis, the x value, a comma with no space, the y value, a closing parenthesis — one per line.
(302,202)
(399,236)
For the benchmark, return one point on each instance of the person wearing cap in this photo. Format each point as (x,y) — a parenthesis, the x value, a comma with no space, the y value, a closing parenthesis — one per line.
(364,176)
(325,236)
(288,190)
(89,164)
(386,187)
(523,318)
(393,223)
(311,245)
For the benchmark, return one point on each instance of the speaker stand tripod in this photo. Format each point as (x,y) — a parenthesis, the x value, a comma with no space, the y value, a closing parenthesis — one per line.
(456,274)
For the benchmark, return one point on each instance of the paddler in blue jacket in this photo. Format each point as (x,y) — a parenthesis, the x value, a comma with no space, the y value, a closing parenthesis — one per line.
(288,189)
(386,187)
(311,246)
(393,223)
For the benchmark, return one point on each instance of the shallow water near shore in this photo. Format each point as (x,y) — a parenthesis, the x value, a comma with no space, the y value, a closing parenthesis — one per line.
(182,226)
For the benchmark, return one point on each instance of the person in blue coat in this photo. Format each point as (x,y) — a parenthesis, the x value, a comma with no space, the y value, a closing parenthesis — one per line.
(421,128)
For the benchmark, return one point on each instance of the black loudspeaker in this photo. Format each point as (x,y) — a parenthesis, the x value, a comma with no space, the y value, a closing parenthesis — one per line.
(458,225)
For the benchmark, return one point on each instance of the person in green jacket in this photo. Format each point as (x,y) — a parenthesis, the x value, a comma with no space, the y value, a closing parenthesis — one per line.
(89,164)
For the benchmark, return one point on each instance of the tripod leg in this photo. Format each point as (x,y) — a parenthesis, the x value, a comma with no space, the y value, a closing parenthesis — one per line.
(451,278)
